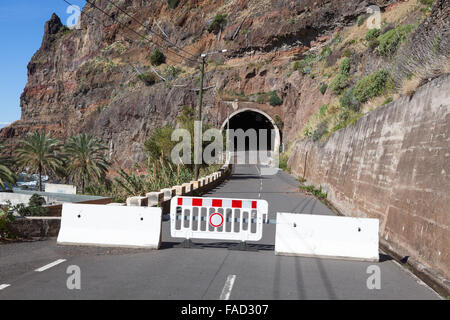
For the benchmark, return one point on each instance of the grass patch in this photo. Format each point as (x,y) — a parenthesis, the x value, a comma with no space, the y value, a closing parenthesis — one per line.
(318,193)
(284,157)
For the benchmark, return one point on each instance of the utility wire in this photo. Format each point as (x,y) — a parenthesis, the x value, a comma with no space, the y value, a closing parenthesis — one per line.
(134,31)
(101,22)
(149,29)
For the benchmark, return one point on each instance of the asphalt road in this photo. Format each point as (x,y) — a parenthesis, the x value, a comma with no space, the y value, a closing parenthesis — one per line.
(211,273)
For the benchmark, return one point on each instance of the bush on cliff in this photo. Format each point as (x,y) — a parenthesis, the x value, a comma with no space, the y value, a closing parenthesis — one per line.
(371,86)
(157,58)
(274,100)
(172,4)
(218,23)
(339,83)
(390,41)
(148,78)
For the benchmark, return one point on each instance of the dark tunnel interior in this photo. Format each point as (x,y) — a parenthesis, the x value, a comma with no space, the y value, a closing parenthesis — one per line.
(252,120)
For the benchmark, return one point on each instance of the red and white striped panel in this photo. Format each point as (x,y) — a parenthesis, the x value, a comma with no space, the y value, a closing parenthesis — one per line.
(242,219)
(218,203)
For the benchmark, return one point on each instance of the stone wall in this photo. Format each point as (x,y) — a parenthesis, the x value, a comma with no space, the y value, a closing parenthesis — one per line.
(394,165)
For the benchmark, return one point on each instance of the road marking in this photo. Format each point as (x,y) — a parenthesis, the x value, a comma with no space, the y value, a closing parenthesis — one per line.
(260,179)
(226,291)
(4,286)
(50,265)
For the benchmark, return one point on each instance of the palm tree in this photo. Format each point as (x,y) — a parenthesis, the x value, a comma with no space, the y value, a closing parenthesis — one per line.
(6,175)
(39,152)
(86,159)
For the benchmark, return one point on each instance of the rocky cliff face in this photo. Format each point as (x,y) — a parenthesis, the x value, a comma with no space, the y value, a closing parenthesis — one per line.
(87,80)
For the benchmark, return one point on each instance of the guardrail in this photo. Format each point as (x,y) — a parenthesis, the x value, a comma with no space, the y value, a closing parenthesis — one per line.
(163,197)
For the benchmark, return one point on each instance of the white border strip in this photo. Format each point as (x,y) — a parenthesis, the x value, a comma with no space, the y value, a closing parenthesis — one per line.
(50,265)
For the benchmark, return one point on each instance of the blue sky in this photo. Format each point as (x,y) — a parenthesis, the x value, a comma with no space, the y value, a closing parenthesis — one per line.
(21,30)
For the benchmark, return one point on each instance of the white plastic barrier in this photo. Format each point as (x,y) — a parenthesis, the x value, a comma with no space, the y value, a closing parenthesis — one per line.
(101,225)
(214,218)
(327,236)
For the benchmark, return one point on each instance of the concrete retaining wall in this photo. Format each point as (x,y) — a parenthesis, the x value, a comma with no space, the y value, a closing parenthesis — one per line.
(394,165)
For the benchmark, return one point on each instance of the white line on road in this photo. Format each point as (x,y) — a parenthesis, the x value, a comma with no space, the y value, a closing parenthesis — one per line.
(260,189)
(50,265)
(226,291)
(4,286)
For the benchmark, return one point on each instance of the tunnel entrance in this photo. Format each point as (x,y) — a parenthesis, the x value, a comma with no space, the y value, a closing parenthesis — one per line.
(256,120)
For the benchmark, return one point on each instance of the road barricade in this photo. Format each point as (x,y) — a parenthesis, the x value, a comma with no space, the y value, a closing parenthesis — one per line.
(110,226)
(327,236)
(219,219)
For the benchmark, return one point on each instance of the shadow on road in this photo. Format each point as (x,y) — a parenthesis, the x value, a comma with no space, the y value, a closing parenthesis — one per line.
(220,245)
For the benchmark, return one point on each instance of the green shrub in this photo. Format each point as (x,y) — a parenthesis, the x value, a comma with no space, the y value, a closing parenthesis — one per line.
(261,99)
(373,44)
(348,101)
(361,20)
(320,131)
(388,100)
(274,99)
(218,23)
(323,88)
(427,3)
(371,86)
(148,78)
(344,68)
(300,65)
(160,143)
(372,34)
(390,41)
(325,52)
(284,162)
(171,72)
(323,109)
(6,217)
(34,209)
(339,83)
(347,53)
(157,58)
(316,192)
(172,4)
